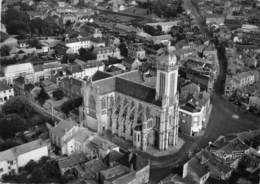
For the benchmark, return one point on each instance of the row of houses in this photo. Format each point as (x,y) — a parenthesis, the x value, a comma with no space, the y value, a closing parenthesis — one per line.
(240,81)
(13,159)
(221,158)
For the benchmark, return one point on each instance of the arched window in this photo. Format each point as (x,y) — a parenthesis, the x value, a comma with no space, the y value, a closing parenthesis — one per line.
(111,101)
(92,102)
(103,103)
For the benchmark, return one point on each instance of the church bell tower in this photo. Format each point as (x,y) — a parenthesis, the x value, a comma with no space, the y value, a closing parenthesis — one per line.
(166,92)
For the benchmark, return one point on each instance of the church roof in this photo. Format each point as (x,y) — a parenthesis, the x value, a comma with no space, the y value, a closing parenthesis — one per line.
(130,84)
(136,90)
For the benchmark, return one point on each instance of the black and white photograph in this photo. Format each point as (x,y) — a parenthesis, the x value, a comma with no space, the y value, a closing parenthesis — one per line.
(130,91)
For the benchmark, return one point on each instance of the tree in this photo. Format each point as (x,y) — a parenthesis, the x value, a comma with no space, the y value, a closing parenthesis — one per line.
(51,169)
(16,21)
(11,124)
(3,36)
(71,104)
(58,94)
(42,96)
(123,49)
(17,27)
(152,30)
(87,54)
(30,166)
(4,50)
(37,175)
(18,105)
(35,43)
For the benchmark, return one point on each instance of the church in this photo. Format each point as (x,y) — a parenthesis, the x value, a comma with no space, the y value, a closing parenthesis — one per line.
(124,105)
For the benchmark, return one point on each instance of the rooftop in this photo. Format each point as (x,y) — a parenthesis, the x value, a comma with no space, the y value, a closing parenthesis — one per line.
(100,75)
(63,127)
(93,167)
(4,86)
(114,171)
(72,160)
(13,153)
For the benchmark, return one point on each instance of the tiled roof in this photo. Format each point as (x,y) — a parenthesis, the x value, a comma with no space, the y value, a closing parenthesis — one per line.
(95,166)
(114,171)
(100,75)
(106,85)
(136,90)
(72,160)
(198,167)
(133,158)
(126,178)
(82,135)
(63,127)
(134,75)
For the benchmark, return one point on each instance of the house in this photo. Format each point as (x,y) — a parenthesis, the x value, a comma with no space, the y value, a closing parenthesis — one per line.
(63,131)
(103,53)
(16,70)
(78,143)
(75,44)
(166,26)
(254,101)
(6,92)
(14,158)
(240,80)
(132,64)
(164,39)
(73,161)
(195,113)
(60,49)
(102,147)
(71,87)
(136,51)
(93,168)
(196,170)
(75,71)
(214,19)
(174,179)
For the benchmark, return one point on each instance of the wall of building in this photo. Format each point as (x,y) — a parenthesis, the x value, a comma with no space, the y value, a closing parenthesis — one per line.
(6,167)
(5,95)
(35,155)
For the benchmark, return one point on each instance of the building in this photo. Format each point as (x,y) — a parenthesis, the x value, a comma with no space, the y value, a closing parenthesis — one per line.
(194,114)
(131,64)
(6,92)
(239,81)
(128,108)
(196,170)
(71,87)
(13,71)
(75,44)
(103,53)
(119,169)
(166,26)
(12,159)
(73,161)
(63,131)
(136,51)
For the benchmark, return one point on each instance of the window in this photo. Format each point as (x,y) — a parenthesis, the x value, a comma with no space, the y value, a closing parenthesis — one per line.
(103,103)
(10,162)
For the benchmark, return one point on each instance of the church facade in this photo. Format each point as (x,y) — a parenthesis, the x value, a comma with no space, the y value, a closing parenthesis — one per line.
(124,105)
